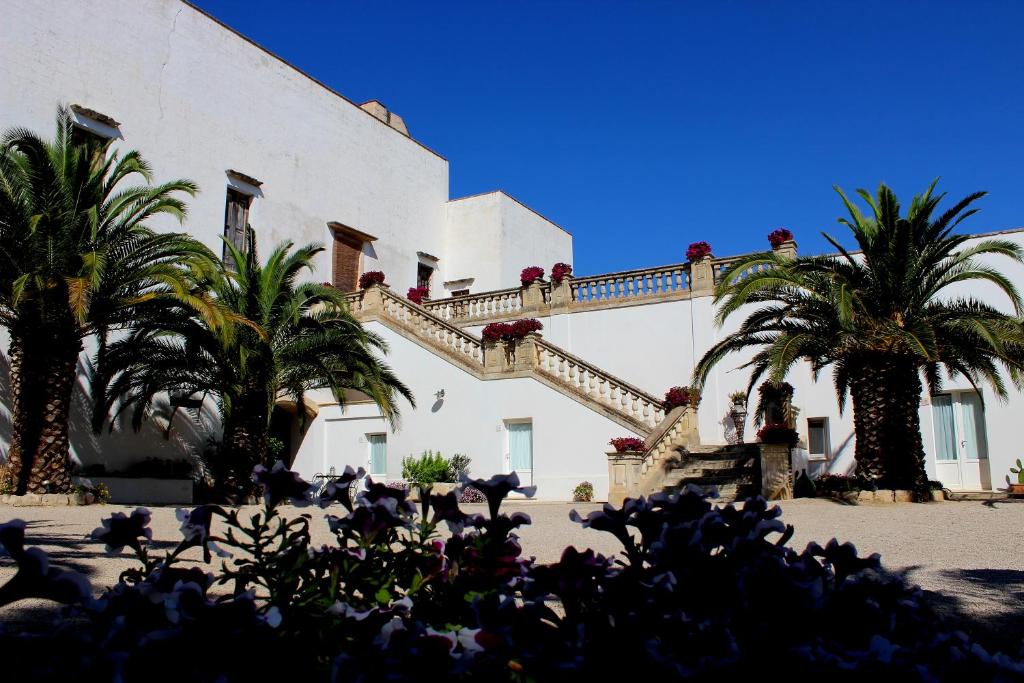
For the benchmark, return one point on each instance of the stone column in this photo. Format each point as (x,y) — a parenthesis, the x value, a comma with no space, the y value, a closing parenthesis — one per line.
(624,476)
(525,355)
(533,298)
(495,358)
(776,472)
(561,295)
(787,249)
(702,277)
(373,302)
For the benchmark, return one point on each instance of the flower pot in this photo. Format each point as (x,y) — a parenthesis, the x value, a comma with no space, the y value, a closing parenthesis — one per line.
(1017,490)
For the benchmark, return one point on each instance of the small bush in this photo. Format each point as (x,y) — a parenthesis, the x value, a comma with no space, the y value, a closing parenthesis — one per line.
(680,396)
(531,273)
(778,433)
(371,278)
(583,493)
(429,468)
(625,444)
(458,467)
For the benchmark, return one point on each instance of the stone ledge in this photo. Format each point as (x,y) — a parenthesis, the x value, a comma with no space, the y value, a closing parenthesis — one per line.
(48,499)
(882,497)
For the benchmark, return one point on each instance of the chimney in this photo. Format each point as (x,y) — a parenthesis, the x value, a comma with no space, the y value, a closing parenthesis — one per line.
(381,112)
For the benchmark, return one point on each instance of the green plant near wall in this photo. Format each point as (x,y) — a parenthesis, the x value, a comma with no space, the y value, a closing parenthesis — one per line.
(429,468)
(1019,471)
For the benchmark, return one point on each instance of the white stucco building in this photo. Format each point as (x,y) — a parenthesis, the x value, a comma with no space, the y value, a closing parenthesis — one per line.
(280,156)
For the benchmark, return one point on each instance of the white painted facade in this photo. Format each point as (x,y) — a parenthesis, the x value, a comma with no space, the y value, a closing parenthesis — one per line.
(198,99)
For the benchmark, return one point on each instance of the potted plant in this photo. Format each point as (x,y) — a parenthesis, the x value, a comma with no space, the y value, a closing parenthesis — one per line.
(680,396)
(531,274)
(778,433)
(418,295)
(628,444)
(1017,489)
(371,278)
(697,251)
(738,413)
(779,237)
(559,272)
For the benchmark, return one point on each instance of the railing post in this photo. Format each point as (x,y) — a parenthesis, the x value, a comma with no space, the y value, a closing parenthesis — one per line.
(624,476)
(561,295)
(373,301)
(776,471)
(787,249)
(525,354)
(702,277)
(533,298)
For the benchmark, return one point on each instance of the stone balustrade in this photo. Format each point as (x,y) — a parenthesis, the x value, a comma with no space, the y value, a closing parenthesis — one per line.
(532,356)
(644,283)
(597,385)
(469,308)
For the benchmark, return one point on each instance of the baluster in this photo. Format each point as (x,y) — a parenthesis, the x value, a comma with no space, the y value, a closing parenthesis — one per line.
(593,385)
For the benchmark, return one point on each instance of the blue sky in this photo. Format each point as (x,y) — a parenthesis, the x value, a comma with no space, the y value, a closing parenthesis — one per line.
(643,126)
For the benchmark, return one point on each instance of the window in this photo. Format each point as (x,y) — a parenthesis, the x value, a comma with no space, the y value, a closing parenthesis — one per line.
(348,252)
(460,292)
(378,454)
(236,224)
(817,438)
(423,275)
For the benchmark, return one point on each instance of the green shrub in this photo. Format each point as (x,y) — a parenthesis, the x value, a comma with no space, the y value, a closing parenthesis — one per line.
(429,468)
(458,466)
(583,493)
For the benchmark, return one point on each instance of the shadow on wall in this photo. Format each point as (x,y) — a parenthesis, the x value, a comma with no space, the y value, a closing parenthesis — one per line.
(122,445)
(119,445)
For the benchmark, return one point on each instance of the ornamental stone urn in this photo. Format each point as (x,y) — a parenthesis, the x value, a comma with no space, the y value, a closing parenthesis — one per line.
(738,414)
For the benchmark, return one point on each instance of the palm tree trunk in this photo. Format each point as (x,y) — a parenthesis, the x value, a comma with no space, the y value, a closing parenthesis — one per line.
(886,392)
(245,444)
(44,365)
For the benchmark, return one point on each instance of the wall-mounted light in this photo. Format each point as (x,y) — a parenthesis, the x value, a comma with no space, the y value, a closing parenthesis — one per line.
(439,395)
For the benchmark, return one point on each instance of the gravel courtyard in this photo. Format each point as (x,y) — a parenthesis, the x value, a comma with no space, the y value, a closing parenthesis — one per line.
(966,553)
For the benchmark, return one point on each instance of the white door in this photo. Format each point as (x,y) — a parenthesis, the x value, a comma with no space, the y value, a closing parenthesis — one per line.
(378,456)
(520,451)
(961,447)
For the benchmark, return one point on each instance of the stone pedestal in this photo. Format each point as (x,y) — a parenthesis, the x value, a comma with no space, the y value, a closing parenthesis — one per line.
(624,476)
(702,277)
(533,298)
(561,295)
(496,357)
(787,249)
(776,472)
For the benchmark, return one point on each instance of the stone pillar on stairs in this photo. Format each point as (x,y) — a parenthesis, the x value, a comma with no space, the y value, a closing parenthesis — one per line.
(524,357)
(624,476)
(702,277)
(776,471)
(561,295)
(373,302)
(787,249)
(533,299)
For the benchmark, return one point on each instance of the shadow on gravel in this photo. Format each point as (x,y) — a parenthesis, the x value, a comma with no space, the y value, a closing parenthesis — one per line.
(986,603)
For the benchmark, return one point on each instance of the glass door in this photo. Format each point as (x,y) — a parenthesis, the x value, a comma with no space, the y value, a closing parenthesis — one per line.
(961,446)
(520,451)
(378,457)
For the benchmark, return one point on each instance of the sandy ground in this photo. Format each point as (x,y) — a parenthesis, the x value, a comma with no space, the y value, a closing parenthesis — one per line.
(966,554)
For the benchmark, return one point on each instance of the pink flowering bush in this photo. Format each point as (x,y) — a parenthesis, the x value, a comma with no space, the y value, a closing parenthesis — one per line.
(371,278)
(778,237)
(778,433)
(680,396)
(531,273)
(559,272)
(624,444)
(418,295)
(510,332)
(698,250)
(697,592)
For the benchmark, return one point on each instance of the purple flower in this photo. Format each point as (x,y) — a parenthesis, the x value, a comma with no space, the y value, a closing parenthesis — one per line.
(195,527)
(340,489)
(120,530)
(446,509)
(497,488)
(280,484)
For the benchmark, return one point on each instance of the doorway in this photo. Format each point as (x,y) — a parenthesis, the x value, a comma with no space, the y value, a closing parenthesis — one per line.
(519,451)
(961,444)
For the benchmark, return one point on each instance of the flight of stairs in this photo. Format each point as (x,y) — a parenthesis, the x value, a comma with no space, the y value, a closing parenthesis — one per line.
(734,471)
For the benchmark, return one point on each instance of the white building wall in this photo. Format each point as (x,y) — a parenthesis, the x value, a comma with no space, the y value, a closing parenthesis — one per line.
(197,99)
(492,237)
(570,439)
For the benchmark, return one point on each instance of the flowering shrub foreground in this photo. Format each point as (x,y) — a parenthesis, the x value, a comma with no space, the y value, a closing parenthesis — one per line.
(697,592)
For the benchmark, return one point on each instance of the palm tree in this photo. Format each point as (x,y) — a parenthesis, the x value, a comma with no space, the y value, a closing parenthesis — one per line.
(297,337)
(881,319)
(76,260)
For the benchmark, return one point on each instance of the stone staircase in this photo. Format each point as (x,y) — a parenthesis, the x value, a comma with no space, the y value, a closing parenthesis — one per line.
(533,357)
(734,471)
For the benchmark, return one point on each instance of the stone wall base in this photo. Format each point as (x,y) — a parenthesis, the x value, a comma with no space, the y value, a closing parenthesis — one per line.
(882,497)
(48,499)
